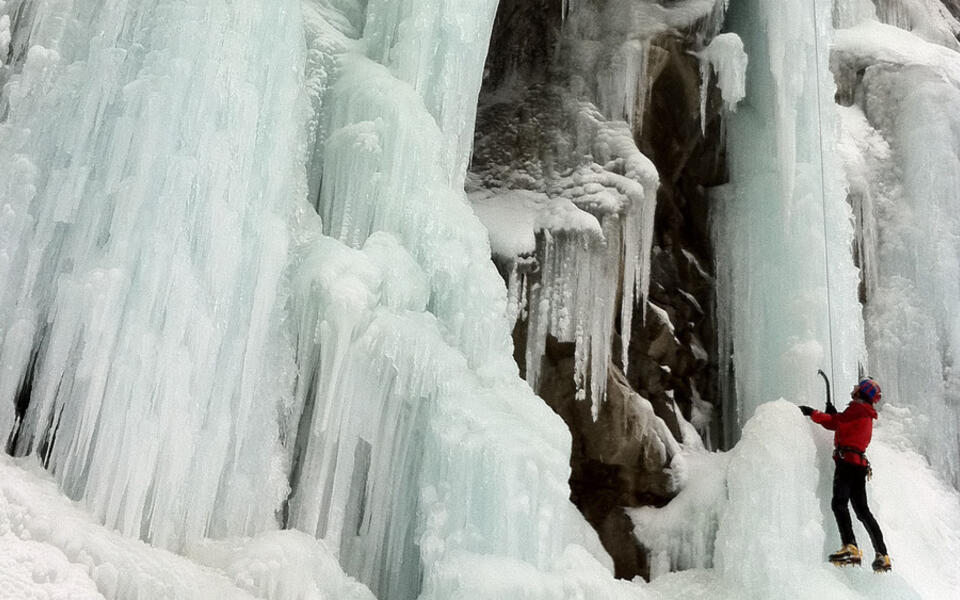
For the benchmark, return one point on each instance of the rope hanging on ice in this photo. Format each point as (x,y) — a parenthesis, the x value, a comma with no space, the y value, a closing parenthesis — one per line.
(823,188)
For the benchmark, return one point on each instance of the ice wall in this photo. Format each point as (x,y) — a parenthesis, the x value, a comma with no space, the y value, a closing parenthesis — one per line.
(902,155)
(421,455)
(928,19)
(183,339)
(149,155)
(783,231)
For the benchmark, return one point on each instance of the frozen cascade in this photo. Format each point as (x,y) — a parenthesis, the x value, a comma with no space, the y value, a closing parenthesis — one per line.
(381,174)
(438,47)
(143,238)
(909,161)
(415,426)
(192,339)
(776,226)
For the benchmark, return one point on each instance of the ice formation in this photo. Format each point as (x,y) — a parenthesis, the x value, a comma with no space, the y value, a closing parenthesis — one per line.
(576,217)
(248,313)
(143,238)
(173,306)
(610,45)
(903,156)
(928,19)
(787,198)
(723,56)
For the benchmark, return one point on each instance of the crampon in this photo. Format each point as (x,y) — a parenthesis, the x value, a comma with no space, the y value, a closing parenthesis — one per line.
(846,556)
(881,564)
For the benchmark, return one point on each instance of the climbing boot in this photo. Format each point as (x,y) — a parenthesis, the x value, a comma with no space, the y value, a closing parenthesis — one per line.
(881,564)
(848,555)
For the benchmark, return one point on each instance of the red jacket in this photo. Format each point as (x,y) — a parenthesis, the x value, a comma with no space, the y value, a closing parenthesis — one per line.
(853,427)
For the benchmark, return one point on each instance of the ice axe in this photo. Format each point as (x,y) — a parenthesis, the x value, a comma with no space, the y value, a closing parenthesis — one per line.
(831,409)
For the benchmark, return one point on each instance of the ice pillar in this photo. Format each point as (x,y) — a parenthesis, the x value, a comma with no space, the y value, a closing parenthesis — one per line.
(787,281)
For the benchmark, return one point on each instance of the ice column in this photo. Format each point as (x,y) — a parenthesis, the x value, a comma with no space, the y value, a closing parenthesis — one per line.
(413,186)
(784,232)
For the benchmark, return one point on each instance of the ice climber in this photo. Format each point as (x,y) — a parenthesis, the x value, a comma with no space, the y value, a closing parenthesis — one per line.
(853,429)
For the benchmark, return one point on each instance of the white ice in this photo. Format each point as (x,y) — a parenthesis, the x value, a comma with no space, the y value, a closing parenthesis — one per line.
(723,56)
(52,548)
(902,153)
(784,218)
(210,361)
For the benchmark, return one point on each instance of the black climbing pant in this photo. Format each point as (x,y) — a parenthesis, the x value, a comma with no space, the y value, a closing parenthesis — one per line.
(850,485)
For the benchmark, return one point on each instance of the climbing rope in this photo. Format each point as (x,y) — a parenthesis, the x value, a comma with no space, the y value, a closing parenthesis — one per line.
(823,188)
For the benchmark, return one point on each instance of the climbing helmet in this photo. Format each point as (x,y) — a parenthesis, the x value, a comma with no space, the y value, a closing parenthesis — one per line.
(869,390)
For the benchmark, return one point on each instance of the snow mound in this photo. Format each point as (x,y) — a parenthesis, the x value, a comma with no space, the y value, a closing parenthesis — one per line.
(50,548)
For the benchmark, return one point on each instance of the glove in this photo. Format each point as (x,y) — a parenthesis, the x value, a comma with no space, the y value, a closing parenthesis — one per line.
(831,409)
(806,410)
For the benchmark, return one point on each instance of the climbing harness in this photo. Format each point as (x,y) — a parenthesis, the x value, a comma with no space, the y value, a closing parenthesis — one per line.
(840,451)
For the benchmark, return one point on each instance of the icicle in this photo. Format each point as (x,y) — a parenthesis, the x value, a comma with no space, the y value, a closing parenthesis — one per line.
(725,57)
(638,184)
(622,83)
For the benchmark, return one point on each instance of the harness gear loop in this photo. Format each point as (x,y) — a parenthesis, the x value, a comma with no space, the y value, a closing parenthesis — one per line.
(839,451)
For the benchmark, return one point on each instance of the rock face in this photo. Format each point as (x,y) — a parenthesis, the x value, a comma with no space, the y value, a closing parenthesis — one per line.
(681,288)
(539,77)
(953,6)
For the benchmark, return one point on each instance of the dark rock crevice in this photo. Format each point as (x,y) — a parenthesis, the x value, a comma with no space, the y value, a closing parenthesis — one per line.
(622,458)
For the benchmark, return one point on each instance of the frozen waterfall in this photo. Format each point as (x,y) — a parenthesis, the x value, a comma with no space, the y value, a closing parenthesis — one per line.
(253,343)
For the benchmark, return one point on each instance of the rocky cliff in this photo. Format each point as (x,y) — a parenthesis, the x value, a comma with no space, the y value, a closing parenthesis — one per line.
(555,84)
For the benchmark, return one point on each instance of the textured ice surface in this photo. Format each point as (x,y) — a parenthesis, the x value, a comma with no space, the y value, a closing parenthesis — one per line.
(147,185)
(724,57)
(172,304)
(902,152)
(416,428)
(681,535)
(785,217)
(928,19)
